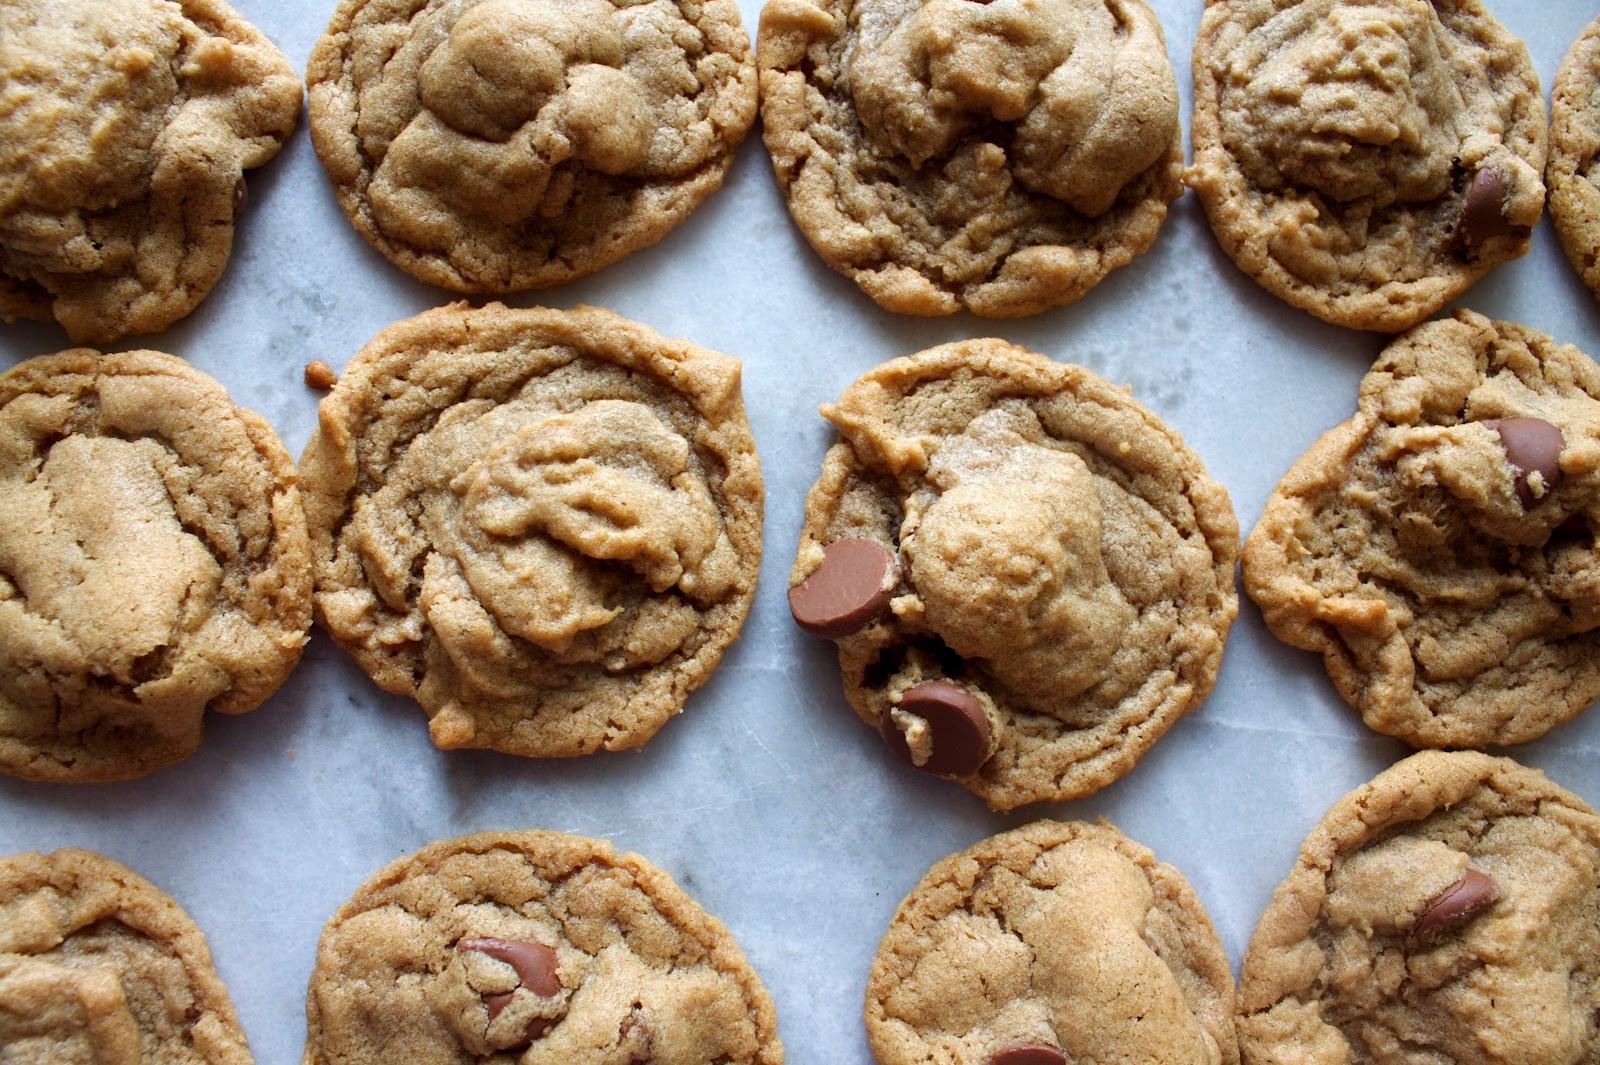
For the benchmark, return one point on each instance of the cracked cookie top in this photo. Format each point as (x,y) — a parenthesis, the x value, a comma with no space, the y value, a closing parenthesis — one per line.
(125,133)
(1029,576)
(498,145)
(1000,157)
(1573,172)
(1439,548)
(535,945)
(543,525)
(1449,910)
(99,965)
(153,562)
(1053,943)
(1366,160)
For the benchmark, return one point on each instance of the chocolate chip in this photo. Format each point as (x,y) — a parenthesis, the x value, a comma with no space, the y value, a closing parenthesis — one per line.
(535,963)
(241,194)
(846,592)
(1482,213)
(958,728)
(1455,905)
(1028,1054)
(1532,445)
(495,1003)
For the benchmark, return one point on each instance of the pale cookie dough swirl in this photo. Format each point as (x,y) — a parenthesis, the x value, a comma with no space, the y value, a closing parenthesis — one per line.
(1573,172)
(498,145)
(1057,942)
(542,525)
(126,130)
(1455,602)
(1002,157)
(153,562)
(99,965)
(1060,568)
(1447,911)
(537,947)
(1366,160)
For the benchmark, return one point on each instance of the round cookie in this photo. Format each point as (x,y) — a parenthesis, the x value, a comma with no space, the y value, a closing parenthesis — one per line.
(498,145)
(493,943)
(1439,548)
(97,964)
(127,129)
(1366,161)
(1447,911)
(1053,574)
(1053,943)
(1574,145)
(542,525)
(153,562)
(999,157)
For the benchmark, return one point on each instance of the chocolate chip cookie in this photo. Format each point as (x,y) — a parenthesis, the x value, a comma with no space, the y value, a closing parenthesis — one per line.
(1439,548)
(1053,943)
(97,964)
(127,128)
(999,157)
(1028,574)
(1366,161)
(533,944)
(1447,911)
(543,525)
(1574,146)
(153,563)
(498,145)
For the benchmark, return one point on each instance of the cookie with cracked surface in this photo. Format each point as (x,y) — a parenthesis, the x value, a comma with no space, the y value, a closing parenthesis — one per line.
(1572,173)
(1366,161)
(1447,911)
(533,944)
(1028,574)
(542,525)
(1000,157)
(97,964)
(1053,943)
(153,563)
(1439,548)
(498,145)
(127,129)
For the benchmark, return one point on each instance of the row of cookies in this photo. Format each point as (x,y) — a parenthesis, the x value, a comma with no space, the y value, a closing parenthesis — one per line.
(1447,910)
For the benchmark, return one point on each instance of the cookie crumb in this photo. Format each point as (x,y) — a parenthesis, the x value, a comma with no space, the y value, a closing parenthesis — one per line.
(320,375)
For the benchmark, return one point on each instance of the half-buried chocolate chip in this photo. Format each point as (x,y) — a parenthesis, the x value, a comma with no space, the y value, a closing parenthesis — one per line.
(1532,445)
(951,728)
(535,963)
(852,587)
(1456,905)
(241,196)
(1028,1054)
(1482,213)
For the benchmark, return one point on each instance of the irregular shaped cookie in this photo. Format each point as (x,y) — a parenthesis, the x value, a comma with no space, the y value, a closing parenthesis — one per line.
(543,525)
(1447,911)
(499,145)
(1029,575)
(548,947)
(1439,547)
(1572,174)
(1002,157)
(1053,943)
(153,562)
(97,964)
(1366,160)
(125,134)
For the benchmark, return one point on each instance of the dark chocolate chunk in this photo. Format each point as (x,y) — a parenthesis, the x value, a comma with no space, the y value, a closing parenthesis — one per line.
(535,963)
(1028,1054)
(1482,213)
(1532,445)
(846,592)
(1455,905)
(956,721)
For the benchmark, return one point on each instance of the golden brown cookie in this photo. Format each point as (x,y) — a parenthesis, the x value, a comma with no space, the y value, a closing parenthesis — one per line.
(535,945)
(1029,576)
(1002,157)
(125,133)
(153,563)
(1439,547)
(498,145)
(542,525)
(1054,943)
(98,965)
(1574,147)
(1366,160)
(1447,911)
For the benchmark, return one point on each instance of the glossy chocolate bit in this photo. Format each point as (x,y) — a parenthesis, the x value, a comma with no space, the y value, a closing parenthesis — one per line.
(495,1003)
(957,726)
(241,195)
(1455,905)
(1482,214)
(846,592)
(535,963)
(1028,1054)
(1532,445)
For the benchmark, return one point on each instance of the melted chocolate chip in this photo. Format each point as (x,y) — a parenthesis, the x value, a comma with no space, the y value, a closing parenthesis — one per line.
(849,590)
(1532,445)
(958,728)
(495,1003)
(535,963)
(241,195)
(1028,1054)
(1482,213)
(1456,905)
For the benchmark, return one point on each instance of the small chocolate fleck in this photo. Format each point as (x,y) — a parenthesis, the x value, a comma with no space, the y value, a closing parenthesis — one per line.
(1028,1054)
(1456,905)
(1482,215)
(849,590)
(535,963)
(241,195)
(320,375)
(1532,445)
(958,727)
